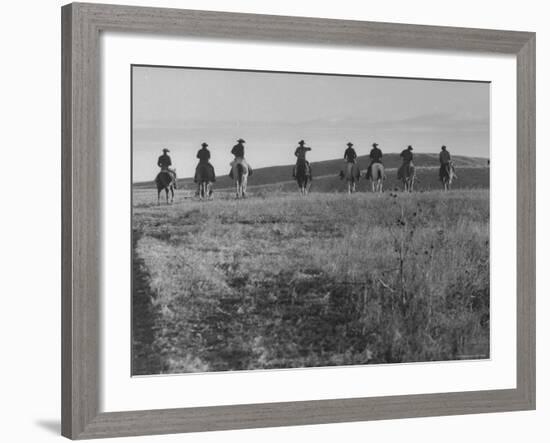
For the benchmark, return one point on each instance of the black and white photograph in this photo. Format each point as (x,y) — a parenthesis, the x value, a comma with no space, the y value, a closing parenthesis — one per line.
(286,220)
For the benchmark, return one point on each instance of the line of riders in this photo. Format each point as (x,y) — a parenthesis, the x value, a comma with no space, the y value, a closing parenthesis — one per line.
(205,168)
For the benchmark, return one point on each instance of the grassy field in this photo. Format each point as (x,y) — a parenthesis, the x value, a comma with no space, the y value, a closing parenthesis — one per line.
(282,281)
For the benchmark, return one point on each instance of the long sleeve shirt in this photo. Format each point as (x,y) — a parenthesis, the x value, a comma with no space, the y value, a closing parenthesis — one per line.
(444,157)
(203,155)
(407,155)
(164,161)
(300,152)
(375,154)
(238,150)
(350,155)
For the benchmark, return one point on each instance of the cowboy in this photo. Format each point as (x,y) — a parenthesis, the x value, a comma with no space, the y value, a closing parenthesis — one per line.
(164,162)
(349,154)
(375,156)
(203,155)
(407,157)
(444,161)
(300,154)
(238,152)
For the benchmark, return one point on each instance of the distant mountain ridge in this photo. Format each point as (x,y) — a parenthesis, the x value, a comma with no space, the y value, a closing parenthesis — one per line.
(277,174)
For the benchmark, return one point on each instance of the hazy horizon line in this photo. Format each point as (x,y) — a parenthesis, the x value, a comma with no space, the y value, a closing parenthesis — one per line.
(329,160)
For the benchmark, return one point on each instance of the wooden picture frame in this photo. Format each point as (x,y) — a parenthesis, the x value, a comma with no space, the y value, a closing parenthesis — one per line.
(81,27)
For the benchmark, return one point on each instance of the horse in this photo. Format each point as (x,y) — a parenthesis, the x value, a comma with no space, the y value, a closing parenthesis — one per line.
(165,180)
(204,179)
(448,174)
(303,176)
(407,174)
(377,176)
(240,176)
(352,176)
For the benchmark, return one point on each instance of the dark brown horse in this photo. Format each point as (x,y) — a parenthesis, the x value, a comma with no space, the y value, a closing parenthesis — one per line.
(166,181)
(204,177)
(303,176)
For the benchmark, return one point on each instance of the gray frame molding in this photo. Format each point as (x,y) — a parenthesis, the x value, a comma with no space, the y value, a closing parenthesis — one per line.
(81,26)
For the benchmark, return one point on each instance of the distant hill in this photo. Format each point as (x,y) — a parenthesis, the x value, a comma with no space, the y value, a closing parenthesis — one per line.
(325,172)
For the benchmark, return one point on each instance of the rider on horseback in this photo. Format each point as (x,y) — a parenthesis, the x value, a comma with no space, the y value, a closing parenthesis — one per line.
(375,157)
(407,156)
(445,162)
(300,154)
(238,152)
(350,156)
(203,155)
(164,162)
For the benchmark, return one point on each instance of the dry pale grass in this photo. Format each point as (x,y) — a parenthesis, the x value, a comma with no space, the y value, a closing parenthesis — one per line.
(286,281)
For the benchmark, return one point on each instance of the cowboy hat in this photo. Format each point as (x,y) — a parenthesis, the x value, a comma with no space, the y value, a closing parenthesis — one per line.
(443,147)
(350,144)
(410,148)
(204,144)
(240,141)
(374,145)
(165,150)
(301,142)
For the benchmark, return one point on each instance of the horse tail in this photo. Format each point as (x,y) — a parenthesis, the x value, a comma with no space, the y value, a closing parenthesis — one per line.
(240,172)
(159,182)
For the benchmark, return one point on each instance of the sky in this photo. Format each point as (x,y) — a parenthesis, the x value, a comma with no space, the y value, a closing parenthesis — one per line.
(180,108)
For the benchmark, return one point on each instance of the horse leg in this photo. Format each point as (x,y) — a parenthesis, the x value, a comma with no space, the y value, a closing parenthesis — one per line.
(166,190)
(172,194)
(158,196)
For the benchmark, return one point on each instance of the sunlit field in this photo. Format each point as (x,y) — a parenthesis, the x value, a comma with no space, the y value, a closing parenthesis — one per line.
(282,281)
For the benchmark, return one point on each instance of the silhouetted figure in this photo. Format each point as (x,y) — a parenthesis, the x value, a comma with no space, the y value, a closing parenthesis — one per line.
(204,170)
(444,162)
(164,162)
(407,157)
(375,156)
(300,154)
(238,152)
(350,156)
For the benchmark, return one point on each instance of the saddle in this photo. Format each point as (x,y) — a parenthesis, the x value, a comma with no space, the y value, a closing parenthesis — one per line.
(404,169)
(301,162)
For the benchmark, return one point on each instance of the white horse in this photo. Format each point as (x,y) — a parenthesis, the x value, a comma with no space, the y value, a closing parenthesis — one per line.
(352,176)
(408,176)
(448,174)
(377,177)
(240,176)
